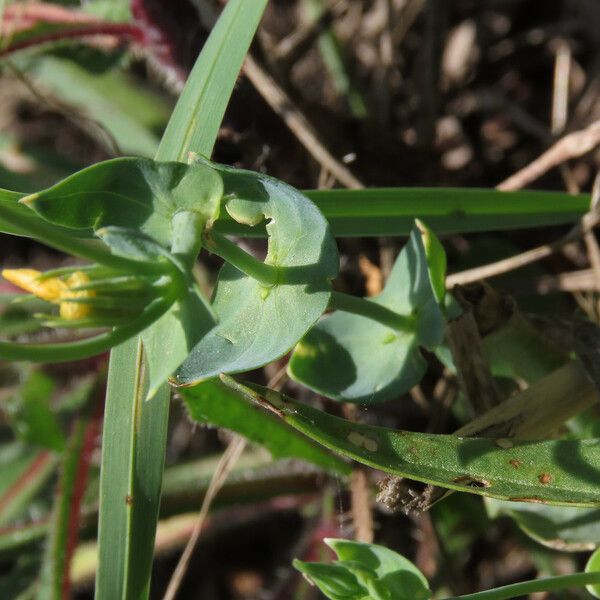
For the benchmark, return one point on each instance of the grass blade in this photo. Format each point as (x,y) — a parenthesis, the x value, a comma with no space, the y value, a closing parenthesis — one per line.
(22,476)
(558,472)
(134,430)
(392,211)
(212,402)
(55,582)
(201,106)
(130,481)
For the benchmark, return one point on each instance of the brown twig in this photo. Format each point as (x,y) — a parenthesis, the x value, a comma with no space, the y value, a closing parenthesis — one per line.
(570,146)
(472,367)
(298,124)
(586,224)
(226,463)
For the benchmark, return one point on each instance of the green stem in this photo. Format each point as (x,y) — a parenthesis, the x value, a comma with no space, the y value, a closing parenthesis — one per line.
(85,348)
(371,310)
(529,587)
(55,238)
(218,244)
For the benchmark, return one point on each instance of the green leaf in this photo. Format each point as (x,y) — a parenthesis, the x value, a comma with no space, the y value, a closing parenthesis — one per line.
(134,193)
(560,472)
(398,574)
(212,402)
(366,571)
(379,212)
(169,341)
(31,415)
(134,439)
(559,527)
(131,243)
(335,581)
(201,106)
(436,260)
(593,566)
(353,358)
(11,211)
(258,324)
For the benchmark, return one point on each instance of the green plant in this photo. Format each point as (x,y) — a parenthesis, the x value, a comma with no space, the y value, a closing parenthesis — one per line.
(372,572)
(142,223)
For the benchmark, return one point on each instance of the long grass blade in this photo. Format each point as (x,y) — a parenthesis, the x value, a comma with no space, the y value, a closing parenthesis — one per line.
(201,106)
(134,430)
(391,211)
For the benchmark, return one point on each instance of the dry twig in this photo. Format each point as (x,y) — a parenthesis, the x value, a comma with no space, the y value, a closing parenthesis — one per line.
(570,146)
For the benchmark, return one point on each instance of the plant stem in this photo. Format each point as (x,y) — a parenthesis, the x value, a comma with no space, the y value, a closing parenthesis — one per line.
(68,351)
(218,244)
(529,587)
(371,310)
(120,30)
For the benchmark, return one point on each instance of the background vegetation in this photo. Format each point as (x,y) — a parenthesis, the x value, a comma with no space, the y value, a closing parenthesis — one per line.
(340,94)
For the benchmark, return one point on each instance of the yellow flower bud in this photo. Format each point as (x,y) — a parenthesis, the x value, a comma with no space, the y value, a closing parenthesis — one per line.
(54,290)
(50,289)
(76,310)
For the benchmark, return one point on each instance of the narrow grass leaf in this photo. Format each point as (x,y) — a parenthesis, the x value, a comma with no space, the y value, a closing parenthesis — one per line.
(559,472)
(392,211)
(23,473)
(201,106)
(212,402)
(130,481)
(133,457)
(55,583)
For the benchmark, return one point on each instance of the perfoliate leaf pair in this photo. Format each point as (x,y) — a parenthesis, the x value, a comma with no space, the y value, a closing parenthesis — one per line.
(153,219)
(356,359)
(257,322)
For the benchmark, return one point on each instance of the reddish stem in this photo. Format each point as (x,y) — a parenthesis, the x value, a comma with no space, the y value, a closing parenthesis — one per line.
(24,480)
(36,12)
(120,30)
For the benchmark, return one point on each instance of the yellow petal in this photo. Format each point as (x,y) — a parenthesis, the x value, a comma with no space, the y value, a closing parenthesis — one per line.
(50,289)
(75,310)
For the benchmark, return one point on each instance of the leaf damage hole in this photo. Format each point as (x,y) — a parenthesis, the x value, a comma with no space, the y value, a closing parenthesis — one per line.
(472,482)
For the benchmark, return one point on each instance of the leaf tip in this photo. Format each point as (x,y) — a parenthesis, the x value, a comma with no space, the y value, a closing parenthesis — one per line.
(29,200)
